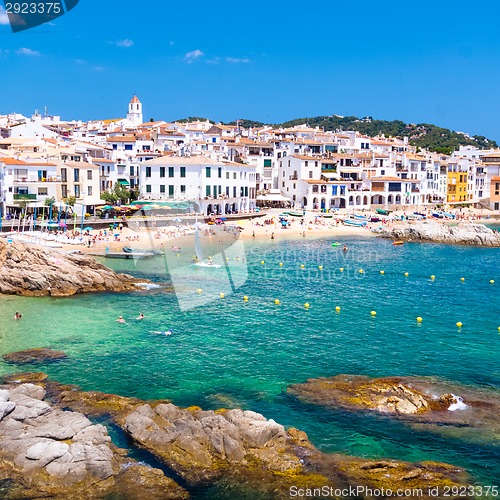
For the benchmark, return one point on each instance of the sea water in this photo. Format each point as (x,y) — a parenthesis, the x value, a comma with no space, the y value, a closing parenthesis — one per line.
(235,354)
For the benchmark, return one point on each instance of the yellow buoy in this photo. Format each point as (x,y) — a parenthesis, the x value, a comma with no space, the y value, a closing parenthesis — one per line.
(373,313)
(245,298)
(302,266)
(419,319)
(382,272)
(337,309)
(178,255)
(277,302)
(281,264)
(433,277)
(459,324)
(221,295)
(407,274)
(499,328)
(262,262)
(462,279)
(341,269)
(320,268)
(492,281)
(307,305)
(199,290)
(361,271)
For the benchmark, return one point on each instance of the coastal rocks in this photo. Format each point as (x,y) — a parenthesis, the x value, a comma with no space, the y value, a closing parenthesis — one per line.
(49,452)
(199,444)
(31,271)
(34,356)
(465,233)
(233,453)
(385,395)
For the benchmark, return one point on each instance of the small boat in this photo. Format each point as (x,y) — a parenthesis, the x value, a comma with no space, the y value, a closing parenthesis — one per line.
(375,219)
(336,244)
(438,215)
(397,242)
(130,255)
(381,211)
(360,217)
(296,214)
(420,215)
(351,222)
(448,215)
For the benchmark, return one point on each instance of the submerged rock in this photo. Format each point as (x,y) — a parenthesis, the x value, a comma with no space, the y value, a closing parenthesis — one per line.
(465,233)
(33,271)
(34,356)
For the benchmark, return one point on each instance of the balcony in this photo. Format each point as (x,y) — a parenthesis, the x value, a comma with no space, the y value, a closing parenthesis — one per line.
(293,178)
(25,197)
(23,180)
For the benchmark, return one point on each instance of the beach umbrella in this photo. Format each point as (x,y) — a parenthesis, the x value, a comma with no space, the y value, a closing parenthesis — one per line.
(145,208)
(88,228)
(62,224)
(177,219)
(107,207)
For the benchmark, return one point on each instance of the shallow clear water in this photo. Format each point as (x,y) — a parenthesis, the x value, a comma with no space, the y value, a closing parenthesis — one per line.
(230,353)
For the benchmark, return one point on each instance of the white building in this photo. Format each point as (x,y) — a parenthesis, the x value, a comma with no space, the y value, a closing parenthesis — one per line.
(219,187)
(134,114)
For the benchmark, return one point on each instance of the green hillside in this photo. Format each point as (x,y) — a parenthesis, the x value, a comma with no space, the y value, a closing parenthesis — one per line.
(422,135)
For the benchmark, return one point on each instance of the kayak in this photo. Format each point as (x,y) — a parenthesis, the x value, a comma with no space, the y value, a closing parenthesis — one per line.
(335,244)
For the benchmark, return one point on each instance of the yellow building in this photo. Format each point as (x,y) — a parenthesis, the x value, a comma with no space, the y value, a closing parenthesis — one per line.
(456,187)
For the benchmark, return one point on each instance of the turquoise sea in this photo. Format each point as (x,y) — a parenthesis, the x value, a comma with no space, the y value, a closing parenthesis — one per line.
(231,353)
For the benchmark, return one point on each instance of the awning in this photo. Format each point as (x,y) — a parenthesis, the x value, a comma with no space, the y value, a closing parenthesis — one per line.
(272,197)
(124,182)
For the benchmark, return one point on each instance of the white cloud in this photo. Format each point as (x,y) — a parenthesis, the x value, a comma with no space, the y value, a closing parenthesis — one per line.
(236,60)
(124,43)
(99,68)
(193,56)
(78,61)
(27,52)
(4,18)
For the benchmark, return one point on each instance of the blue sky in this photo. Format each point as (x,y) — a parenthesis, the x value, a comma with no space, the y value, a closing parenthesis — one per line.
(435,62)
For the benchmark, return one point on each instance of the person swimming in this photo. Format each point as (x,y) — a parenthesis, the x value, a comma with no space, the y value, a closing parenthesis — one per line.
(120,320)
(345,248)
(17,316)
(141,316)
(168,332)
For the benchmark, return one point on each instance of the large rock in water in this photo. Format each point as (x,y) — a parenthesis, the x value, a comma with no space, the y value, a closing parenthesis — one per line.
(47,452)
(385,395)
(465,233)
(33,271)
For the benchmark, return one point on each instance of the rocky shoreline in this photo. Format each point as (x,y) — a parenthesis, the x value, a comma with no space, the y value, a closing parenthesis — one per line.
(49,447)
(32,271)
(464,233)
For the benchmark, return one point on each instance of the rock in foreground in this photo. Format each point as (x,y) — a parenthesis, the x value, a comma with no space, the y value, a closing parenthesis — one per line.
(465,233)
(32,271)
(47,452)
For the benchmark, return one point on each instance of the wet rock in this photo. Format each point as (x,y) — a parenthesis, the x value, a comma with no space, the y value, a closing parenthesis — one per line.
(25,377)
(33,271)
(34,356)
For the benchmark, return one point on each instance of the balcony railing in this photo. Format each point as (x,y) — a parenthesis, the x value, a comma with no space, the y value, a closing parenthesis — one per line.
(24,197)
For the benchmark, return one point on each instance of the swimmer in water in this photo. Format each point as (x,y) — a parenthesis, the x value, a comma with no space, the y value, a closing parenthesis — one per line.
(345,248)
(141,316)
(120,320)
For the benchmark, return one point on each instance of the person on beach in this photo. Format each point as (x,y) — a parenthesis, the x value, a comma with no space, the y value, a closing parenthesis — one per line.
(141,316)
(120,320)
